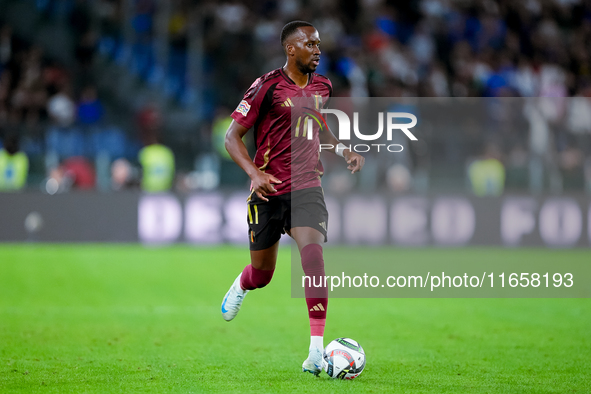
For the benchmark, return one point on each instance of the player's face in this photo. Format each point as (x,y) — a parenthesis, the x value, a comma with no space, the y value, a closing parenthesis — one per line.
(307,49)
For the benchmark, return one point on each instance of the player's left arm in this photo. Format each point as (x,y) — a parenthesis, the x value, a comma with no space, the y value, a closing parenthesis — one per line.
(354,160)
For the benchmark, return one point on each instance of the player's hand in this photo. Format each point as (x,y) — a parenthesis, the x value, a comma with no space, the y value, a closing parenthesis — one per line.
(262,184)
(354,160)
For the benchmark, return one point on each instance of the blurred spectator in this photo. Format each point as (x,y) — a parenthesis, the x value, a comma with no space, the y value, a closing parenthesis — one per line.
(571,164)
(230,173)
(149,120)
(487,174)
(79,18)
(108,12)
(85,49)
(218,132)
(142,22)
(61,108)
(398,178)
(158,166)
(55,77)
(30,96)
(90,109)
(76,172)
(5,82)
(178,26)
(232,16)
(579,115)
(5,46)
(14,165)
(123,175)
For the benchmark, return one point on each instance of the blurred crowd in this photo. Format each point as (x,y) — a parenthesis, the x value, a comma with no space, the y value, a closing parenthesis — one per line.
(433,48)
(54,128)
(370,48)
(39,101)
(436,48)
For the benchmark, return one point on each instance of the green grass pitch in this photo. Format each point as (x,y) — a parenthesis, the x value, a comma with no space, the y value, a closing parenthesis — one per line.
(105,318)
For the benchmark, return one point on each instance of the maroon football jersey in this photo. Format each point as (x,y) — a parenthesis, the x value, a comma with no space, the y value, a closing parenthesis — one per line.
(284,149)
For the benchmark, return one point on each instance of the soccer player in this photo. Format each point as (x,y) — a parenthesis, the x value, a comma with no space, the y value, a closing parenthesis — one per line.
(279,202)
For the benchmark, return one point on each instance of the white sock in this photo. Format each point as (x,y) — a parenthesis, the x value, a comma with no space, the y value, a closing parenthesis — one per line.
(316,343)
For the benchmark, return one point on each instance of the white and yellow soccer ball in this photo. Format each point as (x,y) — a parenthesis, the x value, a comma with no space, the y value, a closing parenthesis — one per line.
(343,358)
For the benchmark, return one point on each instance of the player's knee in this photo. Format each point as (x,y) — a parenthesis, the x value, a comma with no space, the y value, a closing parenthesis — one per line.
(312,259)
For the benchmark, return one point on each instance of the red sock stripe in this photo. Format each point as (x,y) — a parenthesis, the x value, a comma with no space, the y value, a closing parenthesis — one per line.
(317,327)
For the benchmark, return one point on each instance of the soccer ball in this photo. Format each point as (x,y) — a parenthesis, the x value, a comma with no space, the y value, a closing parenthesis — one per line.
(343,358)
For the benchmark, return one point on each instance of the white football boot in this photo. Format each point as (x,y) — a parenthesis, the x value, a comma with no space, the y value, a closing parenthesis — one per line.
(233,300)
(313,363)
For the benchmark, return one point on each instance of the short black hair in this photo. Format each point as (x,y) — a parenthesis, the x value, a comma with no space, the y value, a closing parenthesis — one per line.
(291,28)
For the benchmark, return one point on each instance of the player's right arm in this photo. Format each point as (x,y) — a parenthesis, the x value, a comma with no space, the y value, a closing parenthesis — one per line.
(262,183)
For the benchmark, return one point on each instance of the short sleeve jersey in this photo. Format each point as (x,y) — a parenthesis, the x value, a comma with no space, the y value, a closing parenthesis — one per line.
(283,147)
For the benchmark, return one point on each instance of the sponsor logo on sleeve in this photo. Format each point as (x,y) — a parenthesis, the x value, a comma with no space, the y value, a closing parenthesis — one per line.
(243,108)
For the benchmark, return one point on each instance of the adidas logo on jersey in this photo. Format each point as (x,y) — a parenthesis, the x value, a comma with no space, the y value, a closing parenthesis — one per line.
(317,307)
(287,103)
